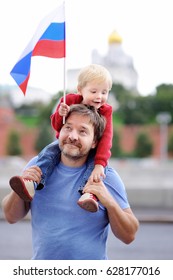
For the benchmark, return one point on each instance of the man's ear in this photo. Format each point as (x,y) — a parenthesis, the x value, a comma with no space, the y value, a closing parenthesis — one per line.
(94,144)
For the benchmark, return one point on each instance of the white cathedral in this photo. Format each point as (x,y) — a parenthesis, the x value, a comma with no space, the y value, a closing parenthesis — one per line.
(118,63)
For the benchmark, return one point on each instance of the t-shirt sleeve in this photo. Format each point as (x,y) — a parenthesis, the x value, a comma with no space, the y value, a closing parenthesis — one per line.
(116,187)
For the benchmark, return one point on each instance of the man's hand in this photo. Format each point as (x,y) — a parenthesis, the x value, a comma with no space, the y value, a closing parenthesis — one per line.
(100,191)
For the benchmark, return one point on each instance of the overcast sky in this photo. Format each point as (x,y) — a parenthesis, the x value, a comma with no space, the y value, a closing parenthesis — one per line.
(145,26)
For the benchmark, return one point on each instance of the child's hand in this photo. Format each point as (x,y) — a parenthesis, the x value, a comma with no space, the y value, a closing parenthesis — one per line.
(32,173)
(97,174)
(63,109)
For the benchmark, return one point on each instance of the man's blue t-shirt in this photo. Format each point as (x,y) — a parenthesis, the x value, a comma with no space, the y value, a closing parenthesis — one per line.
(61,230)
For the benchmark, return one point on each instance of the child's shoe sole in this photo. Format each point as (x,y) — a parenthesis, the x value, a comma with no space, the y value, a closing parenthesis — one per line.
(88,202)
(23,188)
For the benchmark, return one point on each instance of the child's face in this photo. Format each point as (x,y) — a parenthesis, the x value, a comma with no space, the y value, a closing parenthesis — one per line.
(94,93)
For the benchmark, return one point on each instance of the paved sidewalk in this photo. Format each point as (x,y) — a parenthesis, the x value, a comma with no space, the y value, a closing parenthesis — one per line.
(154,215)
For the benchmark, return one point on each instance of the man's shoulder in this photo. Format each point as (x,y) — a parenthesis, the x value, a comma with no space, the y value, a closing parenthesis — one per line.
(32,161)
(112,174)
(110,170)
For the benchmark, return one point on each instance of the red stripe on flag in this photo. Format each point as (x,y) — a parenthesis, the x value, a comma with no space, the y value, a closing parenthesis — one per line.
(23,85)
(53,49)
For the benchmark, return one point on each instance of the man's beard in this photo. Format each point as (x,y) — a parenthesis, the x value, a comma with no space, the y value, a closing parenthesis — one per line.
(73,156)
(70,153)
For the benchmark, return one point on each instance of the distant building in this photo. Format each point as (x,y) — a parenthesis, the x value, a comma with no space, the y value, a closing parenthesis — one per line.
(119,64)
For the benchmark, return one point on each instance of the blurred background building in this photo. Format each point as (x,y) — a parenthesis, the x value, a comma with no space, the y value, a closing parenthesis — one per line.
(118,63)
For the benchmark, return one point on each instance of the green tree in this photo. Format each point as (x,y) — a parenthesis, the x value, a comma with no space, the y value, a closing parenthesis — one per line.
(45,136)
(164,99)
(136,109)
(47,109)
(170,144)
(143,146)
(13,144)
(116,149)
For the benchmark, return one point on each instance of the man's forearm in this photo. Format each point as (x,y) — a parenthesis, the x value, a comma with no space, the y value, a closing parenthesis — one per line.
(14,208)
(123,223)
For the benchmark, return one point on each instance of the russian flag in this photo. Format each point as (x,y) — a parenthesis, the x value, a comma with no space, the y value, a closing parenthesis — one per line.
(49,41)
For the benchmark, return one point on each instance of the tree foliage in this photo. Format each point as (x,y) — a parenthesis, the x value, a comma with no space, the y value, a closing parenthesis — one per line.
(143,146)
(116,149)
(170,144)
(13,144)
(136,109)
(45,136)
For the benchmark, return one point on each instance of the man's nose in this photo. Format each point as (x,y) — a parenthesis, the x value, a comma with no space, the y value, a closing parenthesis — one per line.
(73,135)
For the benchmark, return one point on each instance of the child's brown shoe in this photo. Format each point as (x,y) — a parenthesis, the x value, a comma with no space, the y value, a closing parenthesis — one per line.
(23,187)
(88,201)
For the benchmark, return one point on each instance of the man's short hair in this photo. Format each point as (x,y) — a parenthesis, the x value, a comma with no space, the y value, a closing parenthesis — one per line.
(97,120)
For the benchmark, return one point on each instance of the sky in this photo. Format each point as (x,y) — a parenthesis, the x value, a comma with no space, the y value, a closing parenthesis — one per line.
(144,25)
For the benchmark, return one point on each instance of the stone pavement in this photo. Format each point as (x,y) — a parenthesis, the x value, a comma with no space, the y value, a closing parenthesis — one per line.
(149,185)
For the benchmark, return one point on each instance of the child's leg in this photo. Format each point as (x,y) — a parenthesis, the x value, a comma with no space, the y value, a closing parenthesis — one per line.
(46,161)
(88,201)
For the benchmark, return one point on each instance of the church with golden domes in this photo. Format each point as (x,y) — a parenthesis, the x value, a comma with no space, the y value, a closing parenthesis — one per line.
(118,63)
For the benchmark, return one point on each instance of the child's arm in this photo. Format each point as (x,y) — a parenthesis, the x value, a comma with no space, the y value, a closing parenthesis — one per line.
(97,174)
(103,151)
(56,118)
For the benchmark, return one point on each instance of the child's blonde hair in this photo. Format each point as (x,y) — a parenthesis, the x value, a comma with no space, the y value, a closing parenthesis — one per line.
(94,72)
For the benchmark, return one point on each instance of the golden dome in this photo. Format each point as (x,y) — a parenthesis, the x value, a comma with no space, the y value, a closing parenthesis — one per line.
(114,38)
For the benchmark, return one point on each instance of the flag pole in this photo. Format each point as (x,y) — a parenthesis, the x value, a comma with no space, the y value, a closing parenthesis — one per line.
(64,92)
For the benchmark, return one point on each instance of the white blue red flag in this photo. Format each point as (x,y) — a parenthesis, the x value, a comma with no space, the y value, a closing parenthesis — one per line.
(49,40)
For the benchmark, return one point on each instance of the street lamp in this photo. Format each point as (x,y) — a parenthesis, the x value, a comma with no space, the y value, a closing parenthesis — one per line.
(163,119)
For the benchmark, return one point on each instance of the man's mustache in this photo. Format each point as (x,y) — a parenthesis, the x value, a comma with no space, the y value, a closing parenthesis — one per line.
(71,142)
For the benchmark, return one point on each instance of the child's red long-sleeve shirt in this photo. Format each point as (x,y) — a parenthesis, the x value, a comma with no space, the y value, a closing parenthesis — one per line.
(103,152)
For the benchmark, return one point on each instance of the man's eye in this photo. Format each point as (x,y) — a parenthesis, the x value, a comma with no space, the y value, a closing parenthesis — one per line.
(67,127)
(83,132)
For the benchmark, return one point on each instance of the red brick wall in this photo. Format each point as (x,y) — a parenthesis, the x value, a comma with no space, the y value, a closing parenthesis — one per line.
(28,136)
(8,123)
(27,139)
(128,137)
